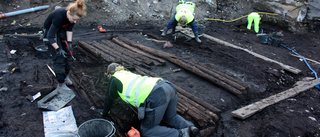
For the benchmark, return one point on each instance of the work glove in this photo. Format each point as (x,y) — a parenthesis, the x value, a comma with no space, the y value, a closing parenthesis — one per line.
(70,46)
(61,52)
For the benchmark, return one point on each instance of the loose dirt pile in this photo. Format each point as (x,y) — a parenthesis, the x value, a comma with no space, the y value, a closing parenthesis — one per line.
(295,116)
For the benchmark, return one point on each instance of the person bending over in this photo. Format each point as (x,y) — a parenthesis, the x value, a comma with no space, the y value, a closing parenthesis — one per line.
(155,98)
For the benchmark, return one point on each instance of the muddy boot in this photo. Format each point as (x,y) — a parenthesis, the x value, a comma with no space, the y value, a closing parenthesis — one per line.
(63,88)
(194,131)
(68,81)
(174,38)
(197,37)
(164,32)
(185,132)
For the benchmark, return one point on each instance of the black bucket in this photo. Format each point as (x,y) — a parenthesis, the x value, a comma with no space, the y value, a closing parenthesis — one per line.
(263,38)
(276,41)
(96,128)
(42,52)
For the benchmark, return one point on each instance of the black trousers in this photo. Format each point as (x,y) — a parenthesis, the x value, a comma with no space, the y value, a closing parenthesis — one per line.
(61,64)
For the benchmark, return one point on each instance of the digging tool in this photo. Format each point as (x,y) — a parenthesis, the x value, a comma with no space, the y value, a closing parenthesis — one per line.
(101,29)
(69,50)
(133,133)
(166,43)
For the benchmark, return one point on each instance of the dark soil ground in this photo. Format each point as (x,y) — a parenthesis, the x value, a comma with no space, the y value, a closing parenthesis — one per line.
(296,116)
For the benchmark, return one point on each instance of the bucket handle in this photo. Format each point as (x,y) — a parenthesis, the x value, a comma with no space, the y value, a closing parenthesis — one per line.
(113,130)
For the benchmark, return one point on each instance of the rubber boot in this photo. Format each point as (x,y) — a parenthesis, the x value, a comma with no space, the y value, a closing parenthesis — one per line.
(68,81)
(164,32)
(197,37)
(174,38)
(194,131)
(185,132)
(63,88)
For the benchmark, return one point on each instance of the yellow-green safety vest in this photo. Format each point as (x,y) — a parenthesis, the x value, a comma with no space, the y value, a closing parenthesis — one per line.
(136,88)
(185,10)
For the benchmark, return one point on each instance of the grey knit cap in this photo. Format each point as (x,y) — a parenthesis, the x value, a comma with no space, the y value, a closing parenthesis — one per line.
(112,67)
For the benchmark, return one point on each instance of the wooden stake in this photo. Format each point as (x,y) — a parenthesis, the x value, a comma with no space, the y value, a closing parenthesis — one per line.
(251,109)
(54,74)
(286,67)
(305,58)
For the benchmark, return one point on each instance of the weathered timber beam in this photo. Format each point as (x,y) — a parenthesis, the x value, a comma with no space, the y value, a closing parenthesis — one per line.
(206,76)
(181,109)
(91,90)
(207,131)
(251,109)
(88,91)
(50,78)
(183,92)
(76,85)
(109,51)
(231,81)
(122,47)
(190,103)
(191,107)
(181,63)
(121,52)
(224,75)
(197,118)
(147,49)
(200,108)
(197,100)
(89,49)
(88,54)
(162,62)
(285,67)
(106,53)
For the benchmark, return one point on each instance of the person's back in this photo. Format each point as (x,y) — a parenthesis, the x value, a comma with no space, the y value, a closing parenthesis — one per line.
(156,100)
(185,10)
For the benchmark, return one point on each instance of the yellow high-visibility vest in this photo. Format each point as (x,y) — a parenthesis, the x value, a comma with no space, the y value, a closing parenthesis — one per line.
(136,88)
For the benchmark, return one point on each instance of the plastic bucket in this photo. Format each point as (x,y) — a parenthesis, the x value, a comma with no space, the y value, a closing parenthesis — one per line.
(42,52)
(96,128)
(263,38)
(276,41)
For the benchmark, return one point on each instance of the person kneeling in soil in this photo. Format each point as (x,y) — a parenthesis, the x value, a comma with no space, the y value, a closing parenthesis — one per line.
(155,98)
(185,16)
(58,29)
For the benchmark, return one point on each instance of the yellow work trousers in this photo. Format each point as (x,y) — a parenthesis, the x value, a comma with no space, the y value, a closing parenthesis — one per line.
(256,18)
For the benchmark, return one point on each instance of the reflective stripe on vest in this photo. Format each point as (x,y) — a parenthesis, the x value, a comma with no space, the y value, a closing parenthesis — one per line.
(135,87)
(184,10)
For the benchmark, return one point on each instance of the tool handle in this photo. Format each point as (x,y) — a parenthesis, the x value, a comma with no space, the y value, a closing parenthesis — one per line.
(68,47)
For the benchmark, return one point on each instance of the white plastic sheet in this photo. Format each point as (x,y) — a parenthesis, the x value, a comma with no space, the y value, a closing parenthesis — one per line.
(60,123)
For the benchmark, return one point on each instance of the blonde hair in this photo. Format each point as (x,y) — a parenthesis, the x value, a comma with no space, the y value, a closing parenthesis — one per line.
(118,68)
(78,8)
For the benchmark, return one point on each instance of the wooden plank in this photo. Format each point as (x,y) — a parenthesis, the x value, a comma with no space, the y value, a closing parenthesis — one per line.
(305,58)
(162,62)
(286,67)
(251,109)
(186,31)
